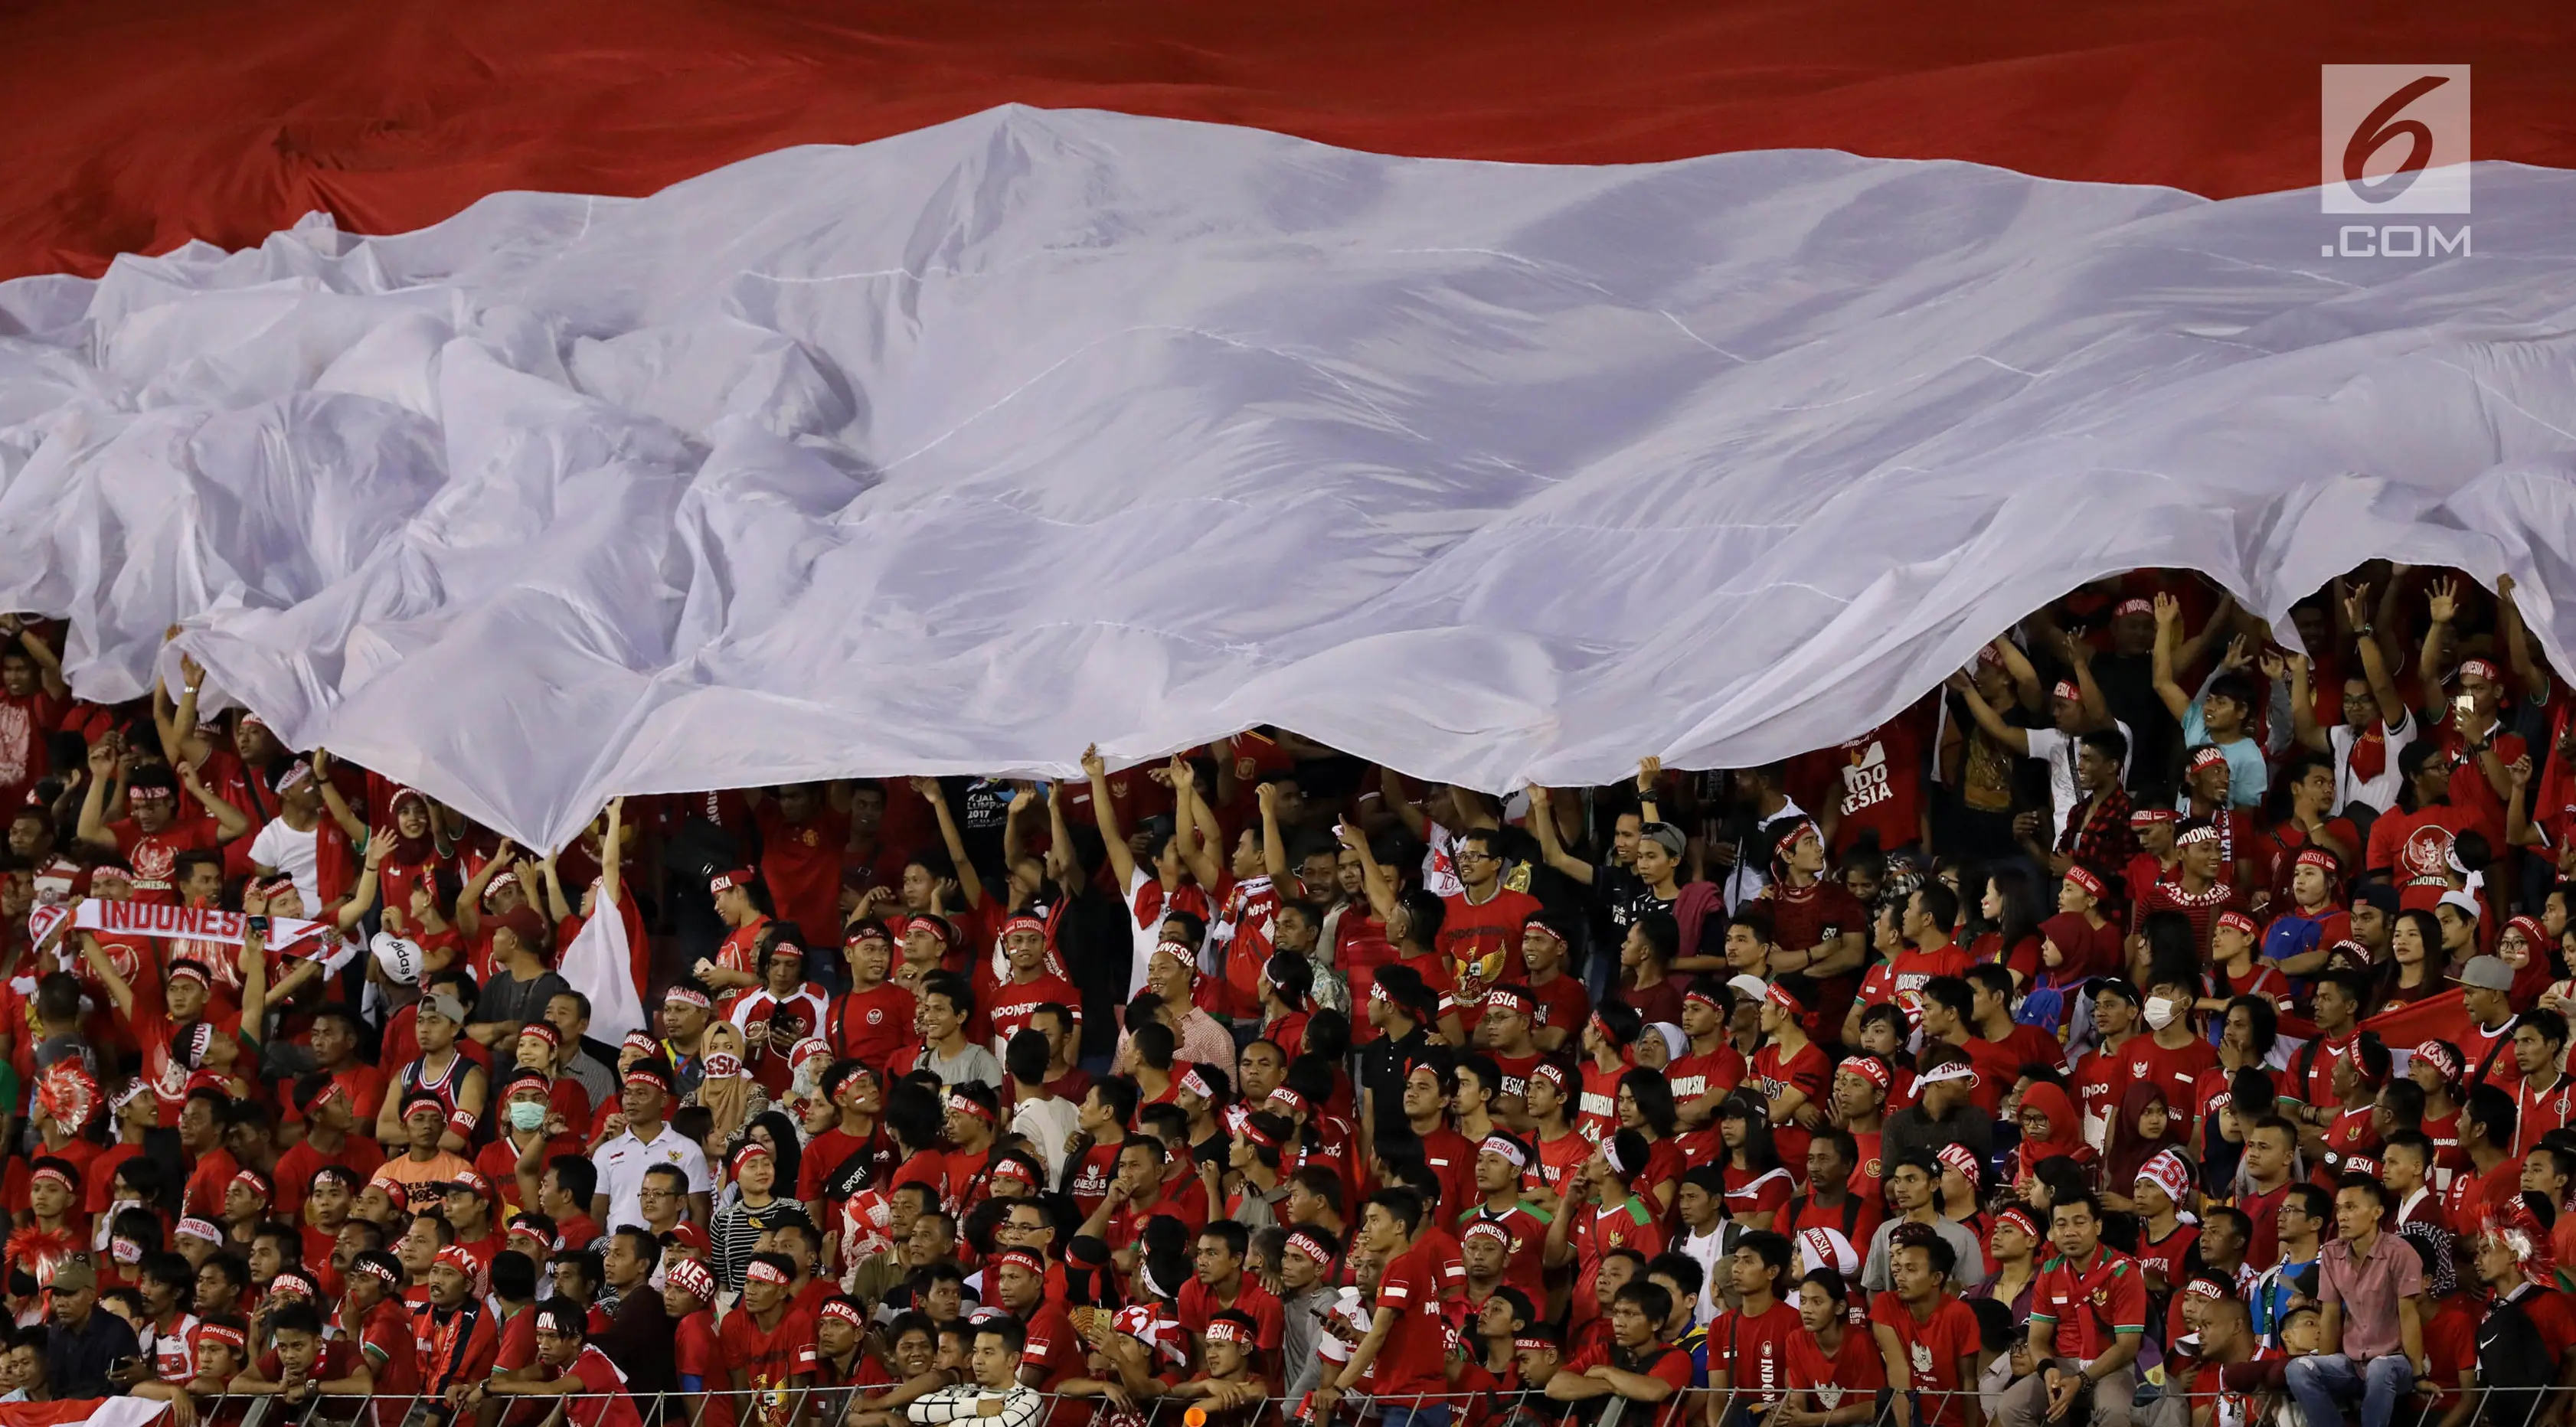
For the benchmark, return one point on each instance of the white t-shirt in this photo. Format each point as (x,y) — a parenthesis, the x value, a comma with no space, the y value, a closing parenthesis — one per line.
(622,1162)
(297,854)
(1048,1123)
(2057,749)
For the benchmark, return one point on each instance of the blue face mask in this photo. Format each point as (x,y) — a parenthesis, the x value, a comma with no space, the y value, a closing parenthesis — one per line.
(527,1114)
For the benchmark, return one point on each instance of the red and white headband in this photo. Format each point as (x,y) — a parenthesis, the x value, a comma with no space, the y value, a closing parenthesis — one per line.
(960,1105)
(1497,1145)
(760,1272)
(2206,832)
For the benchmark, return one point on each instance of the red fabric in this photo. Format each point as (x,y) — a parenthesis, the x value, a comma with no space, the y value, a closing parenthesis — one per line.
(138,126)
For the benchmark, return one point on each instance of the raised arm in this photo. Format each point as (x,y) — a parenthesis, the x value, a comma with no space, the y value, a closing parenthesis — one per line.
(1274,848)
(2303,704)
(183,712)
(1193,828)
(1543,824)
(2079,657)
(49,665)
(352,826)
(1062,865)
(2374,667)
(230,825)
(92,828)
(1391,791)
(612,846)
(2529,674)
(2442,605)
(1373,879)
(469,899)
(2025,677)
(2018,740)
(353,908)
(2168,618)
(1122,858)
(2198,645)
(105,971)
(968,883)
(558,906)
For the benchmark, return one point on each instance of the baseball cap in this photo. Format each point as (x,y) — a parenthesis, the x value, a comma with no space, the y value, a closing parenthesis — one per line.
(2486,973)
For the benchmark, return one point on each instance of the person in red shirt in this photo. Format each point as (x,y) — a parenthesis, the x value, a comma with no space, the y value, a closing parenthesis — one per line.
(330,1120)
(1485,919)
(698,1358)
(1219,1283)
(373,1315)
(736,963)
(1928,1340)
(2088,1319)
(1031,984)
(767,1341)
(2492,1173)
(1748,1345)
(802,836)
(595,1386)
(1636,1365)
(872,1022)
(1403,1360)
(1914,940)
(1559,1004)
(1835,1365)
(2412,841)
(1791,1069)
(157,831)
(460,1337)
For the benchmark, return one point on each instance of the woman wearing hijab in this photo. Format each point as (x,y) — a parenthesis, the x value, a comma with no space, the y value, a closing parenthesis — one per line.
(2143,1129)
(726,1088)
(2050,1127)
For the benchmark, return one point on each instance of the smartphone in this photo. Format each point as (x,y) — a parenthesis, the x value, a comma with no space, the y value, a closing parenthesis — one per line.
(256,925)
(2462,705)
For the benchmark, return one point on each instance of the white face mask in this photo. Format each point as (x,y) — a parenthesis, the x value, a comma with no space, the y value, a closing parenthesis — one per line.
(2161,1011)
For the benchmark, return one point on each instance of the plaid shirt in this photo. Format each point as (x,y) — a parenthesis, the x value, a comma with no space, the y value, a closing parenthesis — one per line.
(2098,837)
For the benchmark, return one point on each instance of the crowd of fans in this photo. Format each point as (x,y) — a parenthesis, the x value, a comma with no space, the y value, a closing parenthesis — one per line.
(2152,1023)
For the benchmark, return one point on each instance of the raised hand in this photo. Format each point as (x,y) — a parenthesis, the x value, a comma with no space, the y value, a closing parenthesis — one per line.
(1540,797)
(1650,771)
(2239,654)
(102,758)
(381,846)
(1093,766)
(928,788)
(191,672)
(2168,611)
(2356,607)
(2442,600)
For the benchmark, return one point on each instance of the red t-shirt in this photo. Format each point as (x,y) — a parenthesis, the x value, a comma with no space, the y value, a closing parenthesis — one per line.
(1671,1366)
(392,1349)
(875,1025)
(2417,844)
(1932,1349)
(1561,1004)
(154,856)
(296,1168)
(1806,1069)
(1411,1362)
(1998,1063)
(2176,1071)
(697,1353)
(1753,1351)
(1472,930)
(1881,777)
(1855,1367)
(801,862)
(603,1401)
(1198,1305)
(772,1357)
(1902,978)
(1014,1002)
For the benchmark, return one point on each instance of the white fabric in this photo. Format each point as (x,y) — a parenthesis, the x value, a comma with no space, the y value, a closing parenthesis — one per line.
(958,450)
(599,964)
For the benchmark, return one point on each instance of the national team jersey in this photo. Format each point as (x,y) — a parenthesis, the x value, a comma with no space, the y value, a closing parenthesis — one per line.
(1753,1351)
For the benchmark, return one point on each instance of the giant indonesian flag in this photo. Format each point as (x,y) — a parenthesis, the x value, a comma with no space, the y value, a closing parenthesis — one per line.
(754,392)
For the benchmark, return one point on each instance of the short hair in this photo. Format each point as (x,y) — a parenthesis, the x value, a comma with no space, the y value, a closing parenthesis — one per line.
(289,1238)
(1940,904)
(2411,1138)
(1938,1255)
(2377,1191)
(1651,1298)
(1681,1268)
(673,1171)
(2092,1203)
(1238,1239)
(1995,978)
(1013,1333)
(1950,991)
(1026,1056)
(647,1246)
(2314,1201)
(234,1268)
(1118,1095)
(1321,1182)
(1770,1246)
(2288,1131)
(576,1176)
(1154,1044)
(514,1276)
(2551,1024)
(2112,744)
(2491,1108)
(1403,1205)
(2559,1154)
(295,1317)
(948,984)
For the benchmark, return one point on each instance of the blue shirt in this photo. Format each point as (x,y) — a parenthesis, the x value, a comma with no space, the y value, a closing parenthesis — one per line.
(2248,778)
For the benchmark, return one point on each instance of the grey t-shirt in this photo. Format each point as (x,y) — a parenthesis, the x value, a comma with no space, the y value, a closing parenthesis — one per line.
(973,1063)
(1966,1274)
(505,999)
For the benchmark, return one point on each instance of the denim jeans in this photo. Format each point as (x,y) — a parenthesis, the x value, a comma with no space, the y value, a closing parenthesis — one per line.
(2322,1384)
(1433,1415)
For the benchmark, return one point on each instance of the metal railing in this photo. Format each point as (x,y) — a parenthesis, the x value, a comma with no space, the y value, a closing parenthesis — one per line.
(830,1406)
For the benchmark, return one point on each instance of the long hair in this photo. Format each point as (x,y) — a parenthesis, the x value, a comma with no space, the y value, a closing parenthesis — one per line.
(2020,919)
(1761,1154)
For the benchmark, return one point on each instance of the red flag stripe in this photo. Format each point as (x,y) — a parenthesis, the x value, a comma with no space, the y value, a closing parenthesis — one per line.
(134,126)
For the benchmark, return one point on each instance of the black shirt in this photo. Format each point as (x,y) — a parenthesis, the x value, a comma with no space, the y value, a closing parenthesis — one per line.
(77,1359)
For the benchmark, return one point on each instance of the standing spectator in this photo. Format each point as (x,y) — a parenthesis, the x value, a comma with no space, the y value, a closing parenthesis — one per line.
(2369,1335)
